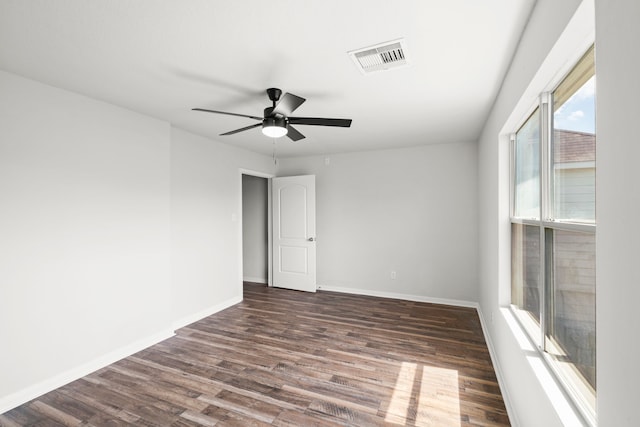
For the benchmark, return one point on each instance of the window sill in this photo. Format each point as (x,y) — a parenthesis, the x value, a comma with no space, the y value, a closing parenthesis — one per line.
(568,412)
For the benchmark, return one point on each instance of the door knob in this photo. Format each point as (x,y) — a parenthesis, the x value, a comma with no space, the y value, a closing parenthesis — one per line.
(311,239)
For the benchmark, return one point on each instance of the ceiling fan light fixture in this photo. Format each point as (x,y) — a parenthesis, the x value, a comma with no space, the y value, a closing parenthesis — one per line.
(274,127)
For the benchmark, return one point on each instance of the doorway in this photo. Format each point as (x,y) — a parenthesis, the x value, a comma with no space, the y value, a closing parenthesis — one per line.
(295,217)
(256,253)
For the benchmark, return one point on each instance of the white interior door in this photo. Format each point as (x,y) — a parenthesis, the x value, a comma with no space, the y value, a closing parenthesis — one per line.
(294,232)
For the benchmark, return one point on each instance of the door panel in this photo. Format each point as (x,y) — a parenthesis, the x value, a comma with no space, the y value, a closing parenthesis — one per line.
(294,232)
(293,259)
(293,212)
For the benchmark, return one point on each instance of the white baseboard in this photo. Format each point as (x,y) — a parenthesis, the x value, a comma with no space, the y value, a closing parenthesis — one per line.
(16,399)
(187,320)
(406,297)
(255,279)
(499,375)
(20,397)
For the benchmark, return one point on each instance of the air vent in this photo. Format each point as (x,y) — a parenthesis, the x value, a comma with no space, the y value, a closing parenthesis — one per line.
(384,56)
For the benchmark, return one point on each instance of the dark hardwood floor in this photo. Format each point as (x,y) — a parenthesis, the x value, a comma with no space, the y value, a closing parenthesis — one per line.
(289,358)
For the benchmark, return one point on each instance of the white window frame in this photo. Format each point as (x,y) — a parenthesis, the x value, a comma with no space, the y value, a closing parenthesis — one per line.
(544,104)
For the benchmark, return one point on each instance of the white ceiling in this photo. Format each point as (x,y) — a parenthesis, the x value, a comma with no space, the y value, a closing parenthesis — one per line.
(162,58)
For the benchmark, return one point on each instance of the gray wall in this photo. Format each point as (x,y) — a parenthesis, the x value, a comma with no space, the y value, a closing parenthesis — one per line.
(254,229)
(412,211)
(206,223)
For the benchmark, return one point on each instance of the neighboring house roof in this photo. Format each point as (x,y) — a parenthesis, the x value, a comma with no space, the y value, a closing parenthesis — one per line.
(571,146)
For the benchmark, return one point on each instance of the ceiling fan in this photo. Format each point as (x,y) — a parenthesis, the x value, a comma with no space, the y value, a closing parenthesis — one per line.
(277,121)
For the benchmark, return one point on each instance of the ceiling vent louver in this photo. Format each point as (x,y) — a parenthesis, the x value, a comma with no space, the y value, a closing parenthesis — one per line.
(384,56)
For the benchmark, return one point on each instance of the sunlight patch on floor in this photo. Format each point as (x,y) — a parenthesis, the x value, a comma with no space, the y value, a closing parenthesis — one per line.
(425,396)
(439,400)
(401,398)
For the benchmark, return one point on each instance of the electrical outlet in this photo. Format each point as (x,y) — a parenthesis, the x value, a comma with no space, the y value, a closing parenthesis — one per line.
(393,275)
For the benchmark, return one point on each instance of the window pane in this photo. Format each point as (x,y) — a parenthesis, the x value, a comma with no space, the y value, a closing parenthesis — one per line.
(527,169)
(574,144)
(571,307)
(525,274)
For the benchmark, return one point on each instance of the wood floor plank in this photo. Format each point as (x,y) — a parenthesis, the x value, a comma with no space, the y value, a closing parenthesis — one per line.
(289,358)
(8,422)
(289,418)
(56,414)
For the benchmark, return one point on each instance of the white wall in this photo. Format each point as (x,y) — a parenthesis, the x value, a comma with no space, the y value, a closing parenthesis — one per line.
(557,34)
(254,229)
(618,205)
(206,223)
(114,229)
(411,210)
(84,226)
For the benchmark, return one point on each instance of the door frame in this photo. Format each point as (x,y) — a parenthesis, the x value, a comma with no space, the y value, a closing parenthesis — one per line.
(268,176)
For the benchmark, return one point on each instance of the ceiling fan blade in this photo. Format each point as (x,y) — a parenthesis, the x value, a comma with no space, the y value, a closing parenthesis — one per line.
(288,103)
(228,114)
(241,129)
(318,121)
(293,134)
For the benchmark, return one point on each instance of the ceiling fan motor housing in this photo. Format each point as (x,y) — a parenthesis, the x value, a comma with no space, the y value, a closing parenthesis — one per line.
(278,121)
(274,94)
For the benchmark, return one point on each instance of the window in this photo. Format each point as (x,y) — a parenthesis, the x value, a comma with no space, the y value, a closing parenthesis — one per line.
(553,222)
(527,169)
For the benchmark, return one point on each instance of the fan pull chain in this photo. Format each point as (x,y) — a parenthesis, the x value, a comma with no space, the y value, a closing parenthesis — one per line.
(275,159)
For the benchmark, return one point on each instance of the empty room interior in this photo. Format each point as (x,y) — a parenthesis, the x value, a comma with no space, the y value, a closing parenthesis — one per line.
(320,213)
